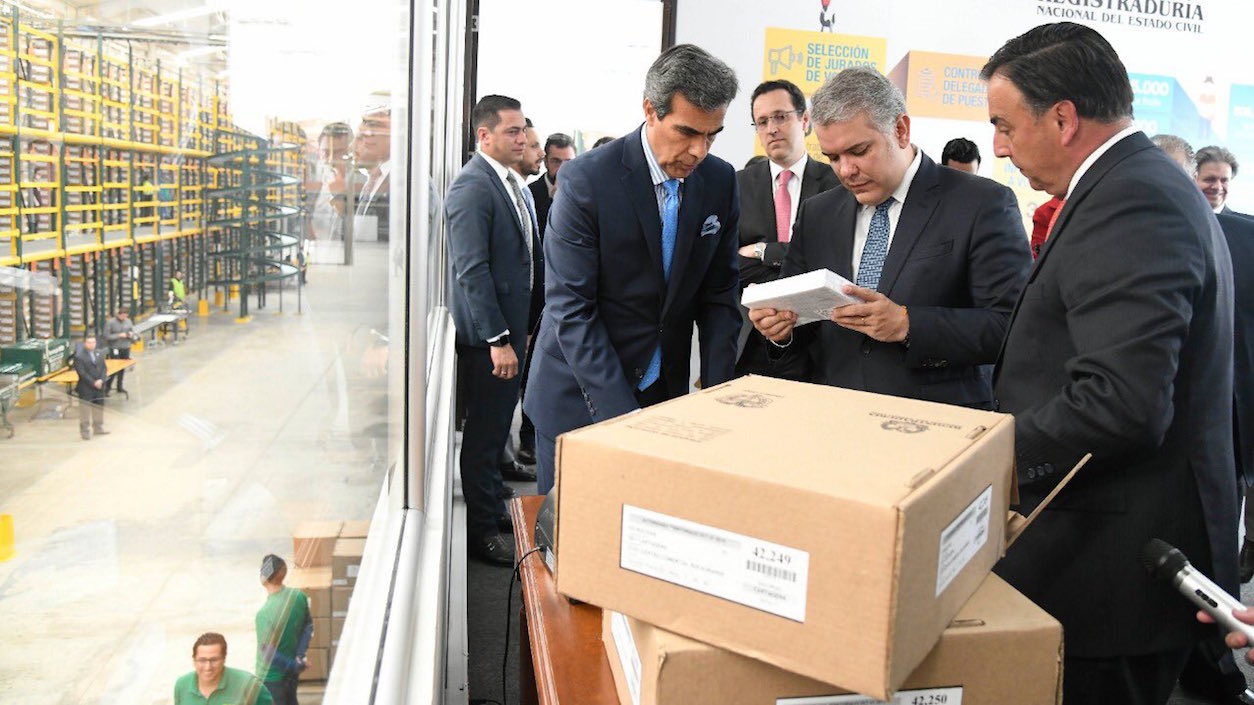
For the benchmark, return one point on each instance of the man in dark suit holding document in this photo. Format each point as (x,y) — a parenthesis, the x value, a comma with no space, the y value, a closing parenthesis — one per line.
(937,257)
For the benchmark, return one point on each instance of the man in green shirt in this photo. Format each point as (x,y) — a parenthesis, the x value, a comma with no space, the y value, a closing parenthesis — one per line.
(212,683)
(284,628)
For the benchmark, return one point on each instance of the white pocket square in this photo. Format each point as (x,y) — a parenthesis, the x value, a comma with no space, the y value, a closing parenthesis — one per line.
(711,226)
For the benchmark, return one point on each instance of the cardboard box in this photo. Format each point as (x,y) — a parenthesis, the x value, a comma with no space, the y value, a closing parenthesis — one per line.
(999,649)
(316,584)
(355,529)
(337,630)
(313,542)
(829,532)
(339,601)
(346,561)
(317,670)
(321,638)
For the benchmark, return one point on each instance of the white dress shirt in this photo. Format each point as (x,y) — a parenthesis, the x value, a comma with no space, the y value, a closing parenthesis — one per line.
(863,224)
(1097,153)
(794,185)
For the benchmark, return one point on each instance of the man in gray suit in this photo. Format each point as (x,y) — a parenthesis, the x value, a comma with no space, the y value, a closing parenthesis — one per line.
(494,254)
(1121,345)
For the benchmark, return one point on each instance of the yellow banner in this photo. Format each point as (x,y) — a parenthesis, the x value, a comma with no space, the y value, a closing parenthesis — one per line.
(942,85)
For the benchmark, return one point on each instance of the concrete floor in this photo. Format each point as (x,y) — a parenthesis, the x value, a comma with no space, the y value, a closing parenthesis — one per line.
(131,545)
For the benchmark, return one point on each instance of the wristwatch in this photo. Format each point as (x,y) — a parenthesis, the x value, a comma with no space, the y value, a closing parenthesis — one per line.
(759,251)
(500,342)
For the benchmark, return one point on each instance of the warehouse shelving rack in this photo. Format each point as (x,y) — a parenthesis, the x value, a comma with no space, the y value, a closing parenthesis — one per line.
(105,174)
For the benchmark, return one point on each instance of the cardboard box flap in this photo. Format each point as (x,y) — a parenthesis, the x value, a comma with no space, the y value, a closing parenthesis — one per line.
(1016,523)
(891,445)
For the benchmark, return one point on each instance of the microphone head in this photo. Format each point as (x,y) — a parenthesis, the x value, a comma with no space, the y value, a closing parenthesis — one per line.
(1162,560)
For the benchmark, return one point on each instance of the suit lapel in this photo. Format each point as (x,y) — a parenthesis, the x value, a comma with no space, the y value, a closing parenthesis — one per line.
(811,180)
(915,212)
(638,184)
(765,196)
(501,191)
(690,213)
(1117,153)
(845,221)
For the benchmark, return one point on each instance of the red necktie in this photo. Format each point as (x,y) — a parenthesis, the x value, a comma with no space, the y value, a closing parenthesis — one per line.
(783,207)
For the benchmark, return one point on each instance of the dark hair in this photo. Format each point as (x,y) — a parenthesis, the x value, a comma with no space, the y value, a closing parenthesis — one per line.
(798,98)
(209,639)
(1215,153)
(1065,61)
(559,140)
(960,149)
(336,129)
(705,81)
(603,140)
(755,159)
(527,123)
(487,112)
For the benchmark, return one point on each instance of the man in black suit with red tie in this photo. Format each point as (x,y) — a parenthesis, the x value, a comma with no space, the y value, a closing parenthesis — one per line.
(771,193)
(938,257)
(1121,346)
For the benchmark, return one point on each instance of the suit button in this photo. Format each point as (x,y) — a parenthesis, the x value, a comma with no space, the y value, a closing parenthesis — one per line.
(1049,468)
(866,347)
(1031,473)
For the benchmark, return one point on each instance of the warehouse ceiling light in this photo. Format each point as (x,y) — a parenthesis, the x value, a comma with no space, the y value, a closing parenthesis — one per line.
(179,16)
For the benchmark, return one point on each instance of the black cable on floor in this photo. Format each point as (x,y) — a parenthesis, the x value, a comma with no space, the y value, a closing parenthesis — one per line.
(509,611)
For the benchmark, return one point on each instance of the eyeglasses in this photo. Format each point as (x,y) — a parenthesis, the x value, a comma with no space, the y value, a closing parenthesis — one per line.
(780,119)
(202,661)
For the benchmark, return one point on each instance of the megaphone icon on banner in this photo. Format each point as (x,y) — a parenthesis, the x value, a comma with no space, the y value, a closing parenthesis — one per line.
(782,57)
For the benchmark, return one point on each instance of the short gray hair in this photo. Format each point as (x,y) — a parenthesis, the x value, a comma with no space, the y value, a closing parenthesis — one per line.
(1176,147)
(861,89)
(704,81)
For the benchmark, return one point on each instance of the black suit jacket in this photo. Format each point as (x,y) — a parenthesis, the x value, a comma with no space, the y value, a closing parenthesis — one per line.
(1239,234)
(757,224)
(957,261)
(757,215)
(1121,345)
(89,372)
(540,192)
(607,304)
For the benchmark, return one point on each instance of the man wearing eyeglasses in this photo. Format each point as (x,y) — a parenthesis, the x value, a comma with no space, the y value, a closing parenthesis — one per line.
(771,192)
(212,683)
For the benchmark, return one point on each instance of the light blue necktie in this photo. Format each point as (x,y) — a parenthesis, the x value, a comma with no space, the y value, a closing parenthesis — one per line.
(670,226)
(876,248)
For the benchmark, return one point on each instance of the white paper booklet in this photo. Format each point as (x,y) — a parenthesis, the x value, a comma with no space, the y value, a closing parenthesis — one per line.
(812,296)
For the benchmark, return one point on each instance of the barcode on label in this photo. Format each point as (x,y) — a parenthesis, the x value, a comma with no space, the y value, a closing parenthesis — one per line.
(962,524)
(772,571)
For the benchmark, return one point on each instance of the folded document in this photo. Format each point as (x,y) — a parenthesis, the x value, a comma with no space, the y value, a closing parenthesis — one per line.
(812,296)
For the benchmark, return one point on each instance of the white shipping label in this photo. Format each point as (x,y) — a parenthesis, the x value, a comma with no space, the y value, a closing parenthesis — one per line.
(743,569)
(926,696)
(962,539)
(353,570)
(625,645)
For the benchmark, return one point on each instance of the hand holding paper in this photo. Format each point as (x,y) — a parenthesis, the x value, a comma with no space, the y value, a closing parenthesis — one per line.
(876,316)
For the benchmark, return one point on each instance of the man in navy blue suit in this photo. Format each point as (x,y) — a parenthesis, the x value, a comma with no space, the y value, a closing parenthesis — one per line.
(641,244)
(494,250)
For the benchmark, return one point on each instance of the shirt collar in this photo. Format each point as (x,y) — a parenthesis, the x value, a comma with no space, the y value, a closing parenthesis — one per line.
(903,188)
(655,170)
(1097,153)
(501,170)
(798,168)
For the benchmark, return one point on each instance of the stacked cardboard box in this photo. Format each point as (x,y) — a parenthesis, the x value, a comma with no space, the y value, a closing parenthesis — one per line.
(327,555)
(828,533)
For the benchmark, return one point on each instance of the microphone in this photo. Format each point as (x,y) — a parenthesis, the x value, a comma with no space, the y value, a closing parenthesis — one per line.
(1166,562)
